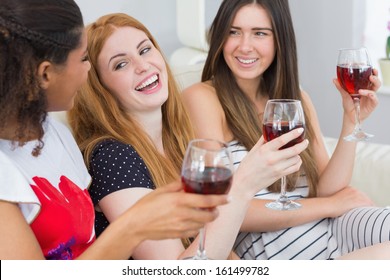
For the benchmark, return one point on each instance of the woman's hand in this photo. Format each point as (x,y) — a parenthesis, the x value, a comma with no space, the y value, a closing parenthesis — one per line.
(368,100)
(169,212)
(265,163)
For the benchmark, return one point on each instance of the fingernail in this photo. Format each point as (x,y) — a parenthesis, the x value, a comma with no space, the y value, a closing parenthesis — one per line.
(300,130)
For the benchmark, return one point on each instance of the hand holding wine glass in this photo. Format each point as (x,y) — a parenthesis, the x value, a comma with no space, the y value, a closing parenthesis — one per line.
(353,73)
(207,169)
(282,116)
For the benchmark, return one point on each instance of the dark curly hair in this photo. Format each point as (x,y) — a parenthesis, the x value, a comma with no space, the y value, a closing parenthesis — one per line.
(32,32)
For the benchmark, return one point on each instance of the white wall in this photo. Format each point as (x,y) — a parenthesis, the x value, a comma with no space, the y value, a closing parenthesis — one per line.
(322,27)
(159,16)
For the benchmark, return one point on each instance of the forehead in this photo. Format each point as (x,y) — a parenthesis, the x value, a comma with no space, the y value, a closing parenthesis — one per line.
(81,49)
(123,37)
(252,15)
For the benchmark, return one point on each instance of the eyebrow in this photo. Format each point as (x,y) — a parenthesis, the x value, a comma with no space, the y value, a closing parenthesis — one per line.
(255,28)
(123,54)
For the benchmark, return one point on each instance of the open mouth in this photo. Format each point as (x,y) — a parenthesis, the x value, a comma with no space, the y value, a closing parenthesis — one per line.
(247,61)
(149,84)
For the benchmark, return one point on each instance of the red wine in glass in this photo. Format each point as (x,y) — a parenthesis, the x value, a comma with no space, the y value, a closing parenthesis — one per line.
(353,73)
(213,180)
(352,78)
(274,130)
(281,116)
(207,169)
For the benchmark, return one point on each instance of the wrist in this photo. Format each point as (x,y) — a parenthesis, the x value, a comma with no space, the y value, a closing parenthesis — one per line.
(240,190)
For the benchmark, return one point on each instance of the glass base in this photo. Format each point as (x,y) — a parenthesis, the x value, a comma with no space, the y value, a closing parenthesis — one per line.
(358,136)
(197,258)
(283,205)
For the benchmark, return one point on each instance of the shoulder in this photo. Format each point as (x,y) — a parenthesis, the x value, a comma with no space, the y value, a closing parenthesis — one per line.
(60,127)
(57,130)
(111,152)
(202,89)
(112,147)
(202,97)
(206,111)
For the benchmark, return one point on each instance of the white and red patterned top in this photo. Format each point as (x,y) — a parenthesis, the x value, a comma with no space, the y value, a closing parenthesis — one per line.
(51,191)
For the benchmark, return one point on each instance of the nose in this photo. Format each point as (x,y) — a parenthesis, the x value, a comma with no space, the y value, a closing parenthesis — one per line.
(140,65)
(246,44)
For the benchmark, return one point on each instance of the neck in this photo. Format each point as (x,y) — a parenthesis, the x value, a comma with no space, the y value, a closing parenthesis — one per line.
(152,124)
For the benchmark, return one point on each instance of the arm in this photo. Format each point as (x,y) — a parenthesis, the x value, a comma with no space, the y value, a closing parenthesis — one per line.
(261,219)
(114,204)
(336,173)
(17,239)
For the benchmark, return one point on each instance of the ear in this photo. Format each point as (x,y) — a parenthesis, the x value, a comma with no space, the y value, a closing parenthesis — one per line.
(45,74)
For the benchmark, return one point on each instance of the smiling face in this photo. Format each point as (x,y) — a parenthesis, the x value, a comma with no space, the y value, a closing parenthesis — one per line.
(250,49)
(133,70)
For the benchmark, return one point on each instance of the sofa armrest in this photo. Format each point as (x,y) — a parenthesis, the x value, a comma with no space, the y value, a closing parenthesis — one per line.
(371,172)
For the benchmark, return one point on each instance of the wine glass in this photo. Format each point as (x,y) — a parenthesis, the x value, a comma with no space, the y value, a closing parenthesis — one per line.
(282,116)
(207,169)
(353,72)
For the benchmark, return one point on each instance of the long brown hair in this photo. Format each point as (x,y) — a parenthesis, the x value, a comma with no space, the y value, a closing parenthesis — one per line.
(280,80)
(98,115)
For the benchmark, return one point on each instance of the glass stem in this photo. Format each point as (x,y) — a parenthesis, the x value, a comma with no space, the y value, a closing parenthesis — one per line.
(283,196)
(356,103)
(201,254)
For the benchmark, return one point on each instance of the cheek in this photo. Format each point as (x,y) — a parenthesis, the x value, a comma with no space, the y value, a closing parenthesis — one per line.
(268,50)
(228,48)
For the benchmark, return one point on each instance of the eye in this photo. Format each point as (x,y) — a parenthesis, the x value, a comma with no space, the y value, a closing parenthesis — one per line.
(120,65)
(145,50)
(85,58)
(234,32)
(260,34)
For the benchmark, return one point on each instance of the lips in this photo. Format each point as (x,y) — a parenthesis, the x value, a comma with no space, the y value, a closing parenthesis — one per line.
(149,83)
(247,60)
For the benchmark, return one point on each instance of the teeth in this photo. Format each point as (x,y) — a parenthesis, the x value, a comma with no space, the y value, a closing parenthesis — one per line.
(148,82)
(247,61)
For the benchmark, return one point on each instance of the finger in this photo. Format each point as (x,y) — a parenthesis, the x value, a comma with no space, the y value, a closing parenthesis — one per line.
(204,201)
(373,98)
(203,216)
(172,187)
(282,140)
(375,82)
(291,165)
(261,141)
(343,92)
